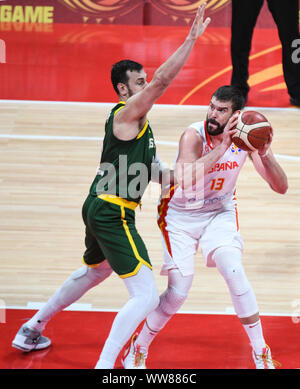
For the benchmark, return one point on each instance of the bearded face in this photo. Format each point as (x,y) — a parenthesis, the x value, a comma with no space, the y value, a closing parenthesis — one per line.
(218,114)
(213,127)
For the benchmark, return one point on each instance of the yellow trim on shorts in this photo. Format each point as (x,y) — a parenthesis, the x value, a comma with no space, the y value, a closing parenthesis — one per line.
(95,265)
(134,249)
(133,273)
(118,201)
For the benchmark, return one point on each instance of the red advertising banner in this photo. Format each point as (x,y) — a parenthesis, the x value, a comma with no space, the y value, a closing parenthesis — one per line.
(131,12)
(63,50)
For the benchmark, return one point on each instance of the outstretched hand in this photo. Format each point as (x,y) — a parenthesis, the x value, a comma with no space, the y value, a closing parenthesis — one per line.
(198,26)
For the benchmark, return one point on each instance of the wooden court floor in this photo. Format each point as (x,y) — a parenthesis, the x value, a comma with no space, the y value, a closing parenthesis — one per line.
(48,157)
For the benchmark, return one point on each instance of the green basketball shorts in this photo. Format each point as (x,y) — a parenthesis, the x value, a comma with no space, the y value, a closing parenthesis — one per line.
(111,234)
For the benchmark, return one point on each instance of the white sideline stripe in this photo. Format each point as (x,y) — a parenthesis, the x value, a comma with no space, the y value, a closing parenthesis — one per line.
(62,137)
(76,307)
(72,307)
(185,106)
(51,137)
(288,157)
(92,139)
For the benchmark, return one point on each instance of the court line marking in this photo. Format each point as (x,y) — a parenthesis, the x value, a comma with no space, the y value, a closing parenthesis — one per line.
(168,143)
(71,138)
(93,138)
(76,307)
(100,104)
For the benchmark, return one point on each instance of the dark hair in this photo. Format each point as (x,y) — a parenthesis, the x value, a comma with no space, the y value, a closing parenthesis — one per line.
(119,71)
(230,93)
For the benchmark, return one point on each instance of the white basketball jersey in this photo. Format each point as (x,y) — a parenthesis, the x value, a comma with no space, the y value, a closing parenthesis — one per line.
(218,186)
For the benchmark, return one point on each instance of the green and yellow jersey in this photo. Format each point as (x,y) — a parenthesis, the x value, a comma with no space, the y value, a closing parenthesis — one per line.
(125,166)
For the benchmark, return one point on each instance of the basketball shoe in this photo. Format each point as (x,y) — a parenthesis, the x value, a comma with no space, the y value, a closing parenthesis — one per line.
(133,357)
(264,361)
(28,339)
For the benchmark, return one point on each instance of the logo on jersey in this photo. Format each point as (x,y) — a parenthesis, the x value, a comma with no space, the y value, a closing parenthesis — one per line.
(234,149)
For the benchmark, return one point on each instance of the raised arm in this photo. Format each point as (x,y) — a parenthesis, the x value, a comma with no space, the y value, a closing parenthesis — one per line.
(138,105)
(166,73)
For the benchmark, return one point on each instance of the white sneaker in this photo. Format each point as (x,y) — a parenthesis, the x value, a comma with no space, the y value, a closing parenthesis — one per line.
(28,339)
(133,358)
(264,360)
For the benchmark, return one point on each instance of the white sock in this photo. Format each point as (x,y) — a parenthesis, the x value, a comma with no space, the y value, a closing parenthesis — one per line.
(143,299)
(146,337)
(170,302)
(255,334)
(72,289)
(157,319)
(106,361)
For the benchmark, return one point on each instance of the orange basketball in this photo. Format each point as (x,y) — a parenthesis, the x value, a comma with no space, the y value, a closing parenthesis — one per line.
(253,131)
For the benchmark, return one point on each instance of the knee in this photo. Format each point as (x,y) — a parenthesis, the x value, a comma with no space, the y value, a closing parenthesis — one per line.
(229,264)
(237,280)
(99,273)
(152,298)
(146,301)
(172,300)
(146,297)
(95,275)
(155,301)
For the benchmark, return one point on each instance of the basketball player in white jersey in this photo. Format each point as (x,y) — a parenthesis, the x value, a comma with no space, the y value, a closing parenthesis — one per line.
(202,213)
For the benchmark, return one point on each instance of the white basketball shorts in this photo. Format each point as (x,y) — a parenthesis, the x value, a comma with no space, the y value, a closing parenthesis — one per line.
(183,233)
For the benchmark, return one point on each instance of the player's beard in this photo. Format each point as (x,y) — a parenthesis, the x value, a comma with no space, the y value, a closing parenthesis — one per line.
(214,131)
(130,92)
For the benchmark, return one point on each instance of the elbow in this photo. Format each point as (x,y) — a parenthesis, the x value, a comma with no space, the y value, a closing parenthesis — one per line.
(280,185)
(284,186)
(282,189)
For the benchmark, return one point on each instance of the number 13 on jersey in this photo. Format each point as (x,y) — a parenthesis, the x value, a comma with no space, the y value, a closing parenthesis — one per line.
(217,183)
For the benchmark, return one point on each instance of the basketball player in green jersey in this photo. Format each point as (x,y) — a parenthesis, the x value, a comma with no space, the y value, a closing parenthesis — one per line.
(112,242)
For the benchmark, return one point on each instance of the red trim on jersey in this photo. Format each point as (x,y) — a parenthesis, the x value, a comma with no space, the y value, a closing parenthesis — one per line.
(237,218)
(207,135)
(162,211)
